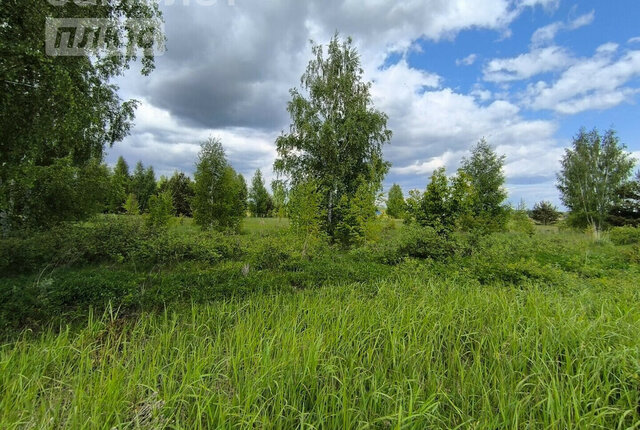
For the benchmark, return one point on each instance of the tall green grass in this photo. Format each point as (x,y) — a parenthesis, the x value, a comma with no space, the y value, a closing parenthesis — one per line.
(410,353)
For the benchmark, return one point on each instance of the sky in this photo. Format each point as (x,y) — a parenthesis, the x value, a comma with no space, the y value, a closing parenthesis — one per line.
(524,74)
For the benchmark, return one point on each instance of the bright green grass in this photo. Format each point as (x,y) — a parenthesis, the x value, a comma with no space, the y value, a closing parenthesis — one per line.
(411,353)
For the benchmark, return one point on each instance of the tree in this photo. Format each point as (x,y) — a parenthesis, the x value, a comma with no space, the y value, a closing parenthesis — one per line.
(336,136)
(413,204)
(280,194)
(260,202)
(485,172)
(217,202)
(545,213)
(306,212)
(143,184)
(161,210)
(356,215)
(242,204)
(519,220)
(627,210)
(396,206)
(131,206)
(67,108)
(181,188)
(120,184)
(592,171)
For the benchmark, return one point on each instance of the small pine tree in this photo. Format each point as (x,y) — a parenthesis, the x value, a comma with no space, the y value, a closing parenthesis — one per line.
(545,213)
(161,210)
(131,206)
(260,202)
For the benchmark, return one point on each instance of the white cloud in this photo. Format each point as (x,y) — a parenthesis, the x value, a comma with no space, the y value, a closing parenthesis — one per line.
(539,60)
(593,83)
(228,71)
(547,34)
(467,61)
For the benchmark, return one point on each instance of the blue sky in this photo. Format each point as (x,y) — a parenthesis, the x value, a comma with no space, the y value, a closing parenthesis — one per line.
(525,74)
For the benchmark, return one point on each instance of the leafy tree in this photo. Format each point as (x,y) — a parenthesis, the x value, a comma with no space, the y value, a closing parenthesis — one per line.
(592,171)
(56,193)
(627,210)
(436,203)
(396,206)
(260,202)
(485,172)
(336,136)
(143,184)
(60,110)
(357,213)
(120,184)
(242,205)
(181,188)
(545,213)
(413,205)
(161,210)
(131,206)
(463,199)
(217,202)
(306,212)
(280,194)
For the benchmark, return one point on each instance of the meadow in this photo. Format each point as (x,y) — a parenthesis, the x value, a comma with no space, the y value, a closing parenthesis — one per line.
(185,329)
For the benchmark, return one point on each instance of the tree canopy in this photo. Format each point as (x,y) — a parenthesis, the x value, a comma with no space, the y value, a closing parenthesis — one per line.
(336,136)
(593,170)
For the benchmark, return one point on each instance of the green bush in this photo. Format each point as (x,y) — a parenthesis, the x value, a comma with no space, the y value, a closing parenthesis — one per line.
(418,242)
(624,235)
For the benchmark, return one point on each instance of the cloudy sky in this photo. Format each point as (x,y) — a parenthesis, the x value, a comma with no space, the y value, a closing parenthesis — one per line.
(525,74)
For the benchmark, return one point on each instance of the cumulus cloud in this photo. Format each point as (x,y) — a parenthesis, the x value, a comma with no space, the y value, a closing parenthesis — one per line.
(467,61)
(598,82)
(524,66)
(228,71)
(548,33)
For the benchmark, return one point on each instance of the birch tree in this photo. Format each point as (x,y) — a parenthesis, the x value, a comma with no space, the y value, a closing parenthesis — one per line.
(336,135)
(592,170)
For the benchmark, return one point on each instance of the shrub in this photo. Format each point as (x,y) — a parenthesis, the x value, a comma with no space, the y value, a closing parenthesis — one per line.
(418,242)
(624,235)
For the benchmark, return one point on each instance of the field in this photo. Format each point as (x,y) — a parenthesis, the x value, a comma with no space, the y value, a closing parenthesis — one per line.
(261,331)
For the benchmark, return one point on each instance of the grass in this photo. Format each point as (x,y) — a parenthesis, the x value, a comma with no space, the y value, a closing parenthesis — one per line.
(402,354)
(527,332)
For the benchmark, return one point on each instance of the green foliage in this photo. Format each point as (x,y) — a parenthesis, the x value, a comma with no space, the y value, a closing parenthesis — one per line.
(161,210)
(413,205)
(519,221)
(417,241)
(484,170)
(446,204)
(47,195)
(336,135)
(625,235)
(61,110)
(131,206)
(119,186)
(545,213)
(626,211)
(260,202)
(592,170)
(280,196)
(181,188)
(356,215)
(396,206)
(220,193)
(306,212)
(143,185)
